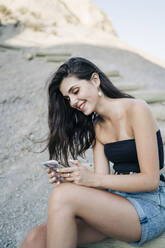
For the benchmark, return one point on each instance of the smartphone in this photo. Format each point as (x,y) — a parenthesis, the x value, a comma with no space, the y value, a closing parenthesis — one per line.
(52,164)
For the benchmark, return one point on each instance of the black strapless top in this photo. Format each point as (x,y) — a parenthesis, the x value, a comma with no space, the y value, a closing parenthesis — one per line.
(124,155)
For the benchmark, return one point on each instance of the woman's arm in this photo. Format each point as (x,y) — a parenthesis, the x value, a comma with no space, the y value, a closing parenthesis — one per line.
(101,164)
(143,125)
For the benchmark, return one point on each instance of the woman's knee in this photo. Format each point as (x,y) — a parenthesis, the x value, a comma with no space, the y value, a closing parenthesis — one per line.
(36,236)
(62,194)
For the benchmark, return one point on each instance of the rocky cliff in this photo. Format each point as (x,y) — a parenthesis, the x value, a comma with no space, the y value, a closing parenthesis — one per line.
(35,38)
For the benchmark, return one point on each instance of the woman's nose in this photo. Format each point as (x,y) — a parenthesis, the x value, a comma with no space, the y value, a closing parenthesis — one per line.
(73,102)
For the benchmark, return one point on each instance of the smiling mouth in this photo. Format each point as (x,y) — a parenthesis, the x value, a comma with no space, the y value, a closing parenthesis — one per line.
(81,107)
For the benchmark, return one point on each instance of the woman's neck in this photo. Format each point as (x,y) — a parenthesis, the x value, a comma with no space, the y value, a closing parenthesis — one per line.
(108,108)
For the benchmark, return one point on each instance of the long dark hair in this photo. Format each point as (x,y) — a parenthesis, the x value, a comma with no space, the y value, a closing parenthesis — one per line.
(70,131)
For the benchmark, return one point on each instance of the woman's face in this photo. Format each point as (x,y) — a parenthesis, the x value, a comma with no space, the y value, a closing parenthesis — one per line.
(81,93)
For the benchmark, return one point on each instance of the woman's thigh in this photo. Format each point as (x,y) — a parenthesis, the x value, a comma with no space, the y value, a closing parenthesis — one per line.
(108,213)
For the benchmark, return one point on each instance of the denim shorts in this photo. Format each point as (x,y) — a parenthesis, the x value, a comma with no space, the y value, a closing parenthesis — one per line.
(150,207)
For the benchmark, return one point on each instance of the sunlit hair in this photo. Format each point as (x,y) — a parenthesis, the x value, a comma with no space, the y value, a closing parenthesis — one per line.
(71,132)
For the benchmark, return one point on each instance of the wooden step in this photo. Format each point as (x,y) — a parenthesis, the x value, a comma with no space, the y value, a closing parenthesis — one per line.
(54,57)
(10,47)
(113,73)
(52,54)
(56,60)
(130,86)
(150,96)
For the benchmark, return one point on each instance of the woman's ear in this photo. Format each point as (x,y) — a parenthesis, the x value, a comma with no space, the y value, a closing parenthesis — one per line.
(95,79)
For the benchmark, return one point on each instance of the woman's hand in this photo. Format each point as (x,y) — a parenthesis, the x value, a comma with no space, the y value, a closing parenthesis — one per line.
(77,174)
(54,176)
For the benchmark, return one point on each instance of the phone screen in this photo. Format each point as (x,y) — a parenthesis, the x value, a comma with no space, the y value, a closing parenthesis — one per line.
(53,164)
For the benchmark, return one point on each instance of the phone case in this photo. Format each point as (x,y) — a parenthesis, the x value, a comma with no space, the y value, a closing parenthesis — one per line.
(53,164)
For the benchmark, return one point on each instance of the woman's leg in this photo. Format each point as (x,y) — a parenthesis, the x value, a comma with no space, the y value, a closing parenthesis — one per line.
(110,214)
(36,238)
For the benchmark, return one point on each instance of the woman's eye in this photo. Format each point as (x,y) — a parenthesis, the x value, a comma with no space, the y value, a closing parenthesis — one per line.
(76,92)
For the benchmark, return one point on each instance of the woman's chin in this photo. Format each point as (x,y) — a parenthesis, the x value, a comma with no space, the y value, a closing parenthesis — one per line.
(87,112)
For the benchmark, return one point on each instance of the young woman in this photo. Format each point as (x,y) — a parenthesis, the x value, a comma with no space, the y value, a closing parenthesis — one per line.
(87,110)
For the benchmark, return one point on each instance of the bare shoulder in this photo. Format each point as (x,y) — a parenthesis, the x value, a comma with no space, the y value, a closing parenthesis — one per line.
(139,112)
(128,105)
(139,103)
(134,104)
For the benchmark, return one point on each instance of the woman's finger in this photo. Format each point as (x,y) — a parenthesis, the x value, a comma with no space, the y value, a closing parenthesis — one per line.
(74,162)
(57,183)
(67,170)
(54,180)
(49,170)
(52,174)
(65,175)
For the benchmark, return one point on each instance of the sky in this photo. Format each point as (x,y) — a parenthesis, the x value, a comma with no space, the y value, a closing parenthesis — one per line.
(140,23)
